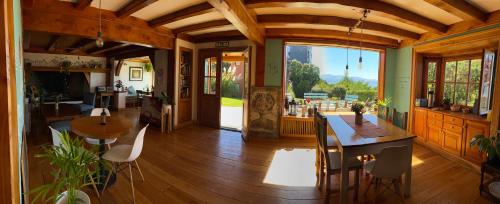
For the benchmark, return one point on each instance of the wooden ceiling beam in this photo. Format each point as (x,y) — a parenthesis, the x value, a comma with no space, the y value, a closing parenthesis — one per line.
(333,20)
(84,45)
(191,11)
(109,48)
(56,39)
(388,10)
(218,36)
(82,4)
(329,34)
(133,7)
(236,13)
(461,9)
(202,26)
(62,18)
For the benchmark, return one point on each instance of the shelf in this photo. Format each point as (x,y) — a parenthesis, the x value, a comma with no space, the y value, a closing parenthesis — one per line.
(71,69)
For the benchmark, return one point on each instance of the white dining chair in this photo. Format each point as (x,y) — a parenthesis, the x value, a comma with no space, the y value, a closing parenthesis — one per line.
(120,154)
(56,141)
(92,141)
(390,164)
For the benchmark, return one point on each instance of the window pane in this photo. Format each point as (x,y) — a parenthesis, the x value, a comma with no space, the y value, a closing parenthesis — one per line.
(449,73)
(475,71)
(207,66)
(460,94)
(213,66)
(212,85)
(463,71)
(430,87)
(206,86)
(431,72)
(448,90)
(473,94)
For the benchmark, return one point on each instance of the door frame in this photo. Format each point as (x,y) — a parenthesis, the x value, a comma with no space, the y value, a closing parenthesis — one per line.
(218,52)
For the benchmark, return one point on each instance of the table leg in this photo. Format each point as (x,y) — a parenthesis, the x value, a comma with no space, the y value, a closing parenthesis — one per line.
(102,171)
(344,178)
(407,189)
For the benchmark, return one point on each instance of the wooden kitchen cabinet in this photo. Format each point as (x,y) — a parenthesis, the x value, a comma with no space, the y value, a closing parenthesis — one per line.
(472,129)
(434,136)
(452,142)
(420,124)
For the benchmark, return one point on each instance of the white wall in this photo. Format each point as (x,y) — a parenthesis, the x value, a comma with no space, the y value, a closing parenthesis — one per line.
(97,79)
(147,80)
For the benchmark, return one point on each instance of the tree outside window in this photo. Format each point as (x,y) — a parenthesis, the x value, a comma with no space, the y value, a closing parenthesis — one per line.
(461,81)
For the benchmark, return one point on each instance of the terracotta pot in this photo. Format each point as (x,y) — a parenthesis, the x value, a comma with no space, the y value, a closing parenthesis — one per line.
(358,120)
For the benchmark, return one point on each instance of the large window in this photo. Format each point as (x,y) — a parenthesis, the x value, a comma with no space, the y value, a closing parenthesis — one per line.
(209,85)
(461,81)
(431,79)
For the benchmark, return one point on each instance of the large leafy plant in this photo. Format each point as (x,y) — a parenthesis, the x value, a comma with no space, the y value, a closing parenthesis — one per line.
(72,166)
(489,145)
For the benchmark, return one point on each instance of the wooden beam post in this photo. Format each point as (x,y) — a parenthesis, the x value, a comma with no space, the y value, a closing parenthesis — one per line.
(495,110)
(236,13)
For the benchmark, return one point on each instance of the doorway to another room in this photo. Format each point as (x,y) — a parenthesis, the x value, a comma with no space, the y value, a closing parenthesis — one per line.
(232,84)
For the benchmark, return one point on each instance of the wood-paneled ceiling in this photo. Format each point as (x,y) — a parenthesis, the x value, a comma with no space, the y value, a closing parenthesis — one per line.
(388,22)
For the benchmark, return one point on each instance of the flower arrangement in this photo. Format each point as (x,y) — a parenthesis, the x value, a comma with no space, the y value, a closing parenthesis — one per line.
(119,84)
(358,108)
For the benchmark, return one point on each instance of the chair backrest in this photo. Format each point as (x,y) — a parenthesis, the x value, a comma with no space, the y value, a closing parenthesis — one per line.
(89,98)
(98,111)
(138,143)
(400,119)
(391,162)
(320,124)
(106,102)
(56,137)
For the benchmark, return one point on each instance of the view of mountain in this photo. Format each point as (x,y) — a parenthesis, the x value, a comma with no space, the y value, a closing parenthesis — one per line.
(331,79)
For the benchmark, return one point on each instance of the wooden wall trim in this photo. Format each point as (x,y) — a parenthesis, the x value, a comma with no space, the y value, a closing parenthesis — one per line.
(9,162)
(381,75)
(495,111)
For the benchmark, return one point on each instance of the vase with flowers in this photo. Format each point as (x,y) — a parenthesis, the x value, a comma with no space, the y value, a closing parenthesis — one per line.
(119,85)
(358,109)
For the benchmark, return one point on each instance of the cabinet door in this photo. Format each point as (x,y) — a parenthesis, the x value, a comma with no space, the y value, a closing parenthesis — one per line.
(420,124)
(434,136)
(452,142)
(184,111)
(472,129)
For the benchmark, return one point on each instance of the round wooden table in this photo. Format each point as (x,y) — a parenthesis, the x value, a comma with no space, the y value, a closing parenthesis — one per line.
(91,127)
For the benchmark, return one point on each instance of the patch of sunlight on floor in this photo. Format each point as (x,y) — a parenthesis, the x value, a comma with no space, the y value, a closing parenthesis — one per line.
(415,161)
(292,167)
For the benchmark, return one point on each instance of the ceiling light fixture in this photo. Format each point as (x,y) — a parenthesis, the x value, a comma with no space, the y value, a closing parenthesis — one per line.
(99,41)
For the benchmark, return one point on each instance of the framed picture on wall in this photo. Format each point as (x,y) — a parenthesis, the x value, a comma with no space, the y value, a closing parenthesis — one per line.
(135,74)
(486,81)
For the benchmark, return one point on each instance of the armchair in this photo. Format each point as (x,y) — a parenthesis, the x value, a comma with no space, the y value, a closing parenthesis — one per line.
(88,102)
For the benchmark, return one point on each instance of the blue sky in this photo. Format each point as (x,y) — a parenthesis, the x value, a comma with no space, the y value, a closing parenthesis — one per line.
(332,60)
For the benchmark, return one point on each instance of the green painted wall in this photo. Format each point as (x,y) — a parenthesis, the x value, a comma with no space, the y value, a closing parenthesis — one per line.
(274,62)
(397,77)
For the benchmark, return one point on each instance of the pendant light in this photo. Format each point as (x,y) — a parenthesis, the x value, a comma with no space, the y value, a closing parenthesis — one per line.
(99,41)
(347,50)
(360,61)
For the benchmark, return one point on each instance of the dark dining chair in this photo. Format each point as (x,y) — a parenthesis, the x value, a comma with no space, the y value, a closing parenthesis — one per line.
(400,119)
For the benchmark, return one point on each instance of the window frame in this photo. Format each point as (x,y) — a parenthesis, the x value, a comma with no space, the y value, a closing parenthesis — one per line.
(437,80)
(467,84)
(209,76)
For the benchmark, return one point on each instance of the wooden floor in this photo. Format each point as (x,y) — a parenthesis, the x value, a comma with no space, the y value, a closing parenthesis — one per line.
(203,165)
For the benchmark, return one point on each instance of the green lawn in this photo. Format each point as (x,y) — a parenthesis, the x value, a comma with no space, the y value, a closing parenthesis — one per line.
(233,102)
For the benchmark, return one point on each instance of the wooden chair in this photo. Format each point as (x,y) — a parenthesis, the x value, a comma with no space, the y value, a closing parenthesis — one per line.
(390,164)
(400,119)
(330,161)
(332,146)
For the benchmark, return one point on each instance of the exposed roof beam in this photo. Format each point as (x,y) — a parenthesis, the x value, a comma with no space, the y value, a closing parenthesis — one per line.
(390,11)
(333,20)
(133,7)
(236,13)
(62,18)
(460,8)
(217,36)
(329,34)
(84,45)
(191,11)
(109,48)
(202,26)
(56,39)
(82,4)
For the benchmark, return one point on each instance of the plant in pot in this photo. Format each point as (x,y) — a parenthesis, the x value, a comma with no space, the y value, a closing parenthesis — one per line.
(446,103)
(164,98)
(358,109)
(119,85)
(65,65)
(382,104)
(490,146)
(148,67)
(72,165)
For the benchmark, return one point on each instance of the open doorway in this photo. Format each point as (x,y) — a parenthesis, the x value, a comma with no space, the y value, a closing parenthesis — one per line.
(232,85)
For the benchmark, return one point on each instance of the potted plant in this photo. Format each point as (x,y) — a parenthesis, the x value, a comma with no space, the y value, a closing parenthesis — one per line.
(489,145)
(119,85)
(65,65)
(446,103)
(164,98)
(382,104)
(148,67)
(72,165)
(358,109)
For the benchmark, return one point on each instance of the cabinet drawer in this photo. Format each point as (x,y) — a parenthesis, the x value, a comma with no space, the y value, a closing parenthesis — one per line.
(453,128)
(435,123)
(435,116)
(453,120)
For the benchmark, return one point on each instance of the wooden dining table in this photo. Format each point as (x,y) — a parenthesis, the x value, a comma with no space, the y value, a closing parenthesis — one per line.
(91,127)
(353,142)
(64,112)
